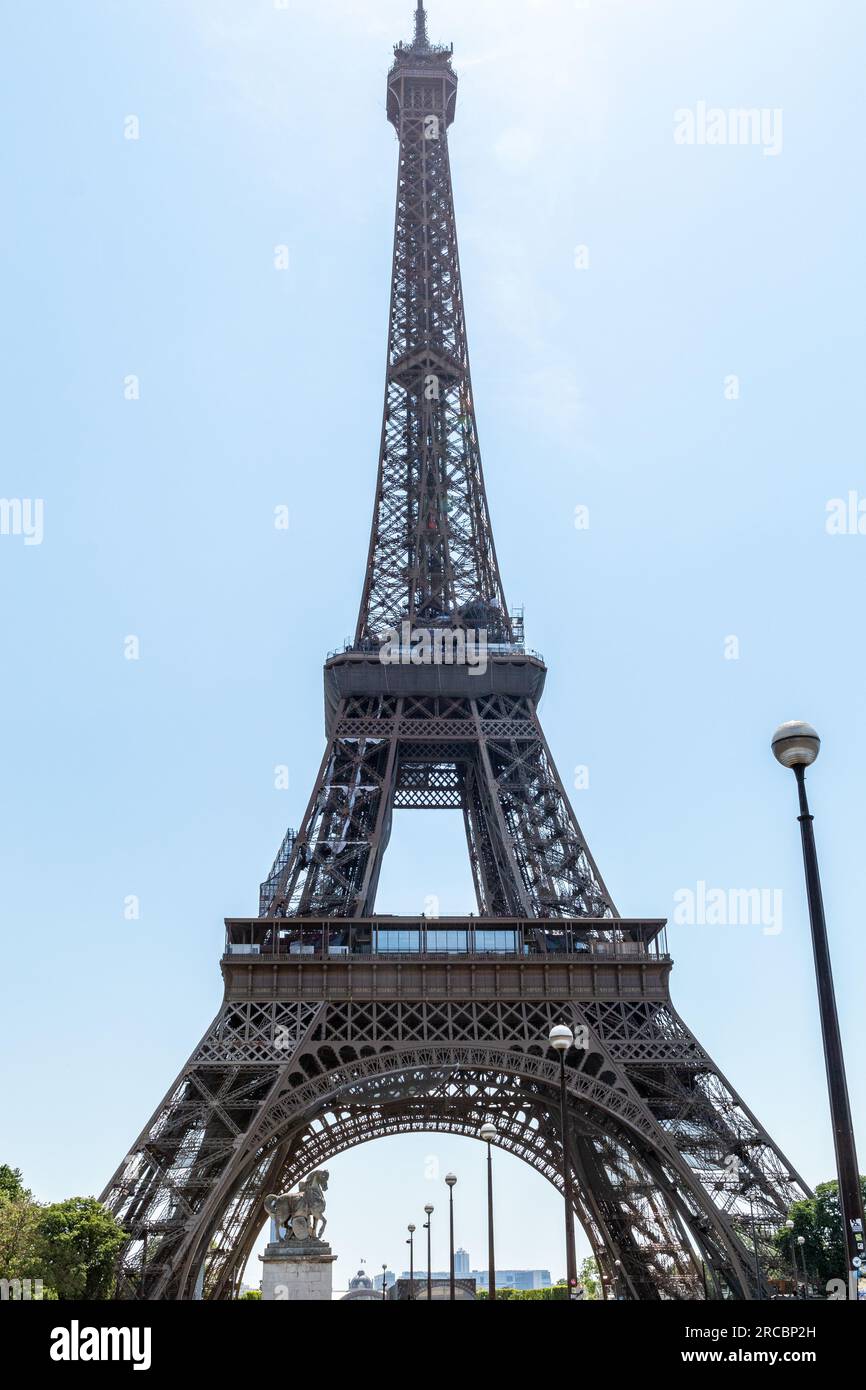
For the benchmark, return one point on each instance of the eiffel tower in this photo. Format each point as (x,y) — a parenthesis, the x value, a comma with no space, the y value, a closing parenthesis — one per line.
(338,1026)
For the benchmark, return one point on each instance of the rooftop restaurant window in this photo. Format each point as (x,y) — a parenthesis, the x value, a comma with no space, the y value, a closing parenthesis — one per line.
(440,941)
(502,940)
(402,942)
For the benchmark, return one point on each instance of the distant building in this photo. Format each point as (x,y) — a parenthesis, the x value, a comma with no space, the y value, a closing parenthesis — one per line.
(464,1289)
(390,1278)
(505,1278)
(361,1289)
(515,1278)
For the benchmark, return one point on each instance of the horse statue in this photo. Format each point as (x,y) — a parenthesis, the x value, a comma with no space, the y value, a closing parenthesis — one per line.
(301,1214)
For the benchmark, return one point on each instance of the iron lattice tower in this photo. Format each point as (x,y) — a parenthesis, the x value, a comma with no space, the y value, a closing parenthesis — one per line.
(338,1027)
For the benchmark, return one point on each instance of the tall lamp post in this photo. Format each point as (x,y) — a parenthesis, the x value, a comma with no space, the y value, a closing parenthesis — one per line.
(488,1134)
(429,1211)
(796,745)
(801,1241)
(384,1290)
(759,1283)
(411,1244)
(561,1039)
(789,1227)
(451,1179)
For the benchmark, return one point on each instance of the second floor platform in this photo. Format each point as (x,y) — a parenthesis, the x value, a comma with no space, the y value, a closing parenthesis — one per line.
(379,957)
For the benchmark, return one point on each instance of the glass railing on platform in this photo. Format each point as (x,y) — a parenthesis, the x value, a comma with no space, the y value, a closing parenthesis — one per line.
(414,938)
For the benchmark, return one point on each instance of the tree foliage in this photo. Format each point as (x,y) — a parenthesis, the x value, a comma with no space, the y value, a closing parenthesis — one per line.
(557,1291)
(818,1220)
(589,1278)
(71,1246)
(11,1185)
(19,1224)
(79,1242)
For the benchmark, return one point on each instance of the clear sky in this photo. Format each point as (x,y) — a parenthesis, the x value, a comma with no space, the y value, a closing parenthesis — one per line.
(607,387)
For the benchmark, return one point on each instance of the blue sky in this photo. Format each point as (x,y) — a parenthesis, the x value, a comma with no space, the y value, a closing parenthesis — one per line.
(602,387)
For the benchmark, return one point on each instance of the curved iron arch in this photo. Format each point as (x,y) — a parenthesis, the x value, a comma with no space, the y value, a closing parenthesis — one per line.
(273,1149)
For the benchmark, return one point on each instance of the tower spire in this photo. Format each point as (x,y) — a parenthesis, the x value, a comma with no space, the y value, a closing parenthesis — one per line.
(422,39)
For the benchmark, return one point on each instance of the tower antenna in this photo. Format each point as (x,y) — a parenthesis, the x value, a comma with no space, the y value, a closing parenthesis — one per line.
(421,37)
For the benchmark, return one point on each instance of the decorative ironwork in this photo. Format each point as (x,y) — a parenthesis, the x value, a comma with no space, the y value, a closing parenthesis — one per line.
(338,1027)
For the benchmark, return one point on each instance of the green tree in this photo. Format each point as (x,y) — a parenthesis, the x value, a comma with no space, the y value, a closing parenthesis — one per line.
(11,1185)
(589,1279)
(19,1219)
(558,1291)
(19,1224)
(77,1242)
(818,1220)
(250,1295)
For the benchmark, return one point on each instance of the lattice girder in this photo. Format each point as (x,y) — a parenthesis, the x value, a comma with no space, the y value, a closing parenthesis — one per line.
(431,549)
(527,851)
(405,1065)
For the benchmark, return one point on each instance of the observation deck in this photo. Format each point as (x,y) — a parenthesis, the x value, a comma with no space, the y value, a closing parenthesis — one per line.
(359,672)
(462,957)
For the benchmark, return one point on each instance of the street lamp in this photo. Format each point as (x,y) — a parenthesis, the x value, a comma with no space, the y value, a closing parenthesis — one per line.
(759,1285)
(789,1227)
(488,1134)
(451,1179)
(801,1241)
(384,1272)
(411,1244)
(561,1039)
(429,1210)
(617,1264)
(796,745)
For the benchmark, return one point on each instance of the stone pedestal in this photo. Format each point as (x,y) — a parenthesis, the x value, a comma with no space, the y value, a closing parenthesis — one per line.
(297,1272)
